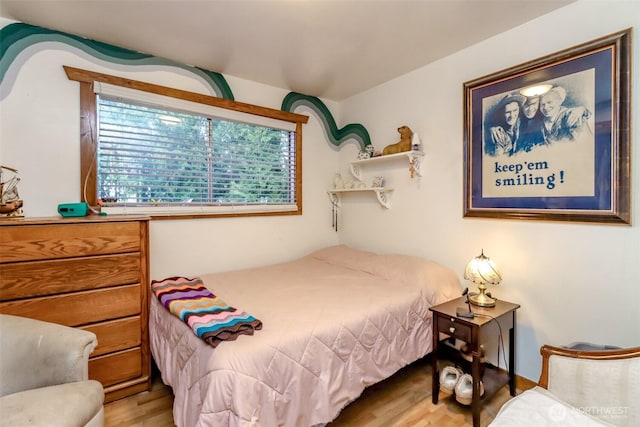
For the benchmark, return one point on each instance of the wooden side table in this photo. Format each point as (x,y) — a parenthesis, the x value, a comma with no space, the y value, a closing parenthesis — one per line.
(474,332)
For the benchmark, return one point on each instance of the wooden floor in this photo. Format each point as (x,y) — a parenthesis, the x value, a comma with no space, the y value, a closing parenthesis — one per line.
(402,400)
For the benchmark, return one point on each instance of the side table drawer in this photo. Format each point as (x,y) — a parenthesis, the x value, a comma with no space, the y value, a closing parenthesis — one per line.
(454,328)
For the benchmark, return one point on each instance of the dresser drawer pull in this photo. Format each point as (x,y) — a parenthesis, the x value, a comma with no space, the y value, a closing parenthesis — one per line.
(452,329)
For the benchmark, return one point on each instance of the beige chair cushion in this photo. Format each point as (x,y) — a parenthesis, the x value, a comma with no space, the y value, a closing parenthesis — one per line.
(65,405)
(606,389)
(539,408)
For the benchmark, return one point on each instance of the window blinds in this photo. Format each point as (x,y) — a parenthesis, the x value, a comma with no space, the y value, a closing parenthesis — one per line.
(158,156)
(170,103)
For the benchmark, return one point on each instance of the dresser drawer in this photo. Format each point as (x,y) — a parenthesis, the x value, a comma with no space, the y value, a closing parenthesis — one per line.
(116,367)
(79,308)
(39,242)
(116,335)
(34,278)
(453,327)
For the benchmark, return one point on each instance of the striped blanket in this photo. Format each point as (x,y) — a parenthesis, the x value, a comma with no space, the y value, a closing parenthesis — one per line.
(210,318)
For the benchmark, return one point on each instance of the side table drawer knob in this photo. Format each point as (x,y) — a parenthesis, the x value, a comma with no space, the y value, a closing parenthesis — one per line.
(452,329)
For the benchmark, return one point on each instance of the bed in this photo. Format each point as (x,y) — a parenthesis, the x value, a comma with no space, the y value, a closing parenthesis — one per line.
(333,322)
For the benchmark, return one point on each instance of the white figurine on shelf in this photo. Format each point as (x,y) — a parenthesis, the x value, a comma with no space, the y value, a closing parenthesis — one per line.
(338,183)
(378,182)
(416,145)
(363,155)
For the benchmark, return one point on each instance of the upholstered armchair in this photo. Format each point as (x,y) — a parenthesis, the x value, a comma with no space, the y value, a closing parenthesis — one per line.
(579,388)
(44,375)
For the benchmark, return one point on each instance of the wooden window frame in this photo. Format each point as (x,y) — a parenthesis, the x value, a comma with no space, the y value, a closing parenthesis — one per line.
(89,137)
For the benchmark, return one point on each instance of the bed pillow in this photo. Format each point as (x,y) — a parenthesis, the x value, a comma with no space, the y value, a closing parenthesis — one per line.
(438,282)
(348,257)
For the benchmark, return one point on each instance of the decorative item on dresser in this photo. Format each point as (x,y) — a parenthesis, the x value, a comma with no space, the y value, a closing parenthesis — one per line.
(90,273)
(10,201)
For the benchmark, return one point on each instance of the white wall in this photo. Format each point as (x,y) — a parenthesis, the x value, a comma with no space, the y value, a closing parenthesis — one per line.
(39,136)
(575,282)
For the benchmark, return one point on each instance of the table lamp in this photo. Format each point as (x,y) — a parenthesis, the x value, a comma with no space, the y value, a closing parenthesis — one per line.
(481,270)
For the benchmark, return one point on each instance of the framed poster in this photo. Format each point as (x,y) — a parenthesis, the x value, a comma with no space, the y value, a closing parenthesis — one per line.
(550,139)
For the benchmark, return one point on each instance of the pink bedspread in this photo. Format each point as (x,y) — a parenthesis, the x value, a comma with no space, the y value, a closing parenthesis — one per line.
(334,322)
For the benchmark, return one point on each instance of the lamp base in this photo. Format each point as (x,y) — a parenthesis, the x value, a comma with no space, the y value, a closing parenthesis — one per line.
(482,300)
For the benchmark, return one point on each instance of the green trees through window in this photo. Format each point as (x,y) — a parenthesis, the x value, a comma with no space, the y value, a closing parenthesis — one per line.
(159,157)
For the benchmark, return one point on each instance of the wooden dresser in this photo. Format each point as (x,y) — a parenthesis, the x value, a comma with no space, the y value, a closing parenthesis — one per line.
(90,273)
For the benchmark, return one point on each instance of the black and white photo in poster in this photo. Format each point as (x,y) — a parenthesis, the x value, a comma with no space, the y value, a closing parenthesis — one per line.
(542,144)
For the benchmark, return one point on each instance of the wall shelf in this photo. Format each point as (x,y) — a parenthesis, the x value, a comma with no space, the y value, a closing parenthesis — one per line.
(381,194)
(414,158)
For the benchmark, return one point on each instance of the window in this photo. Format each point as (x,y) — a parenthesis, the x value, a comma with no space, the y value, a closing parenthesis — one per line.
(148,156)
(168,153)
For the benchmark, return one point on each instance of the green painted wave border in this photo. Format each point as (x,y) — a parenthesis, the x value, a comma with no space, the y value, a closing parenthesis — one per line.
(337,137)
(16,37)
